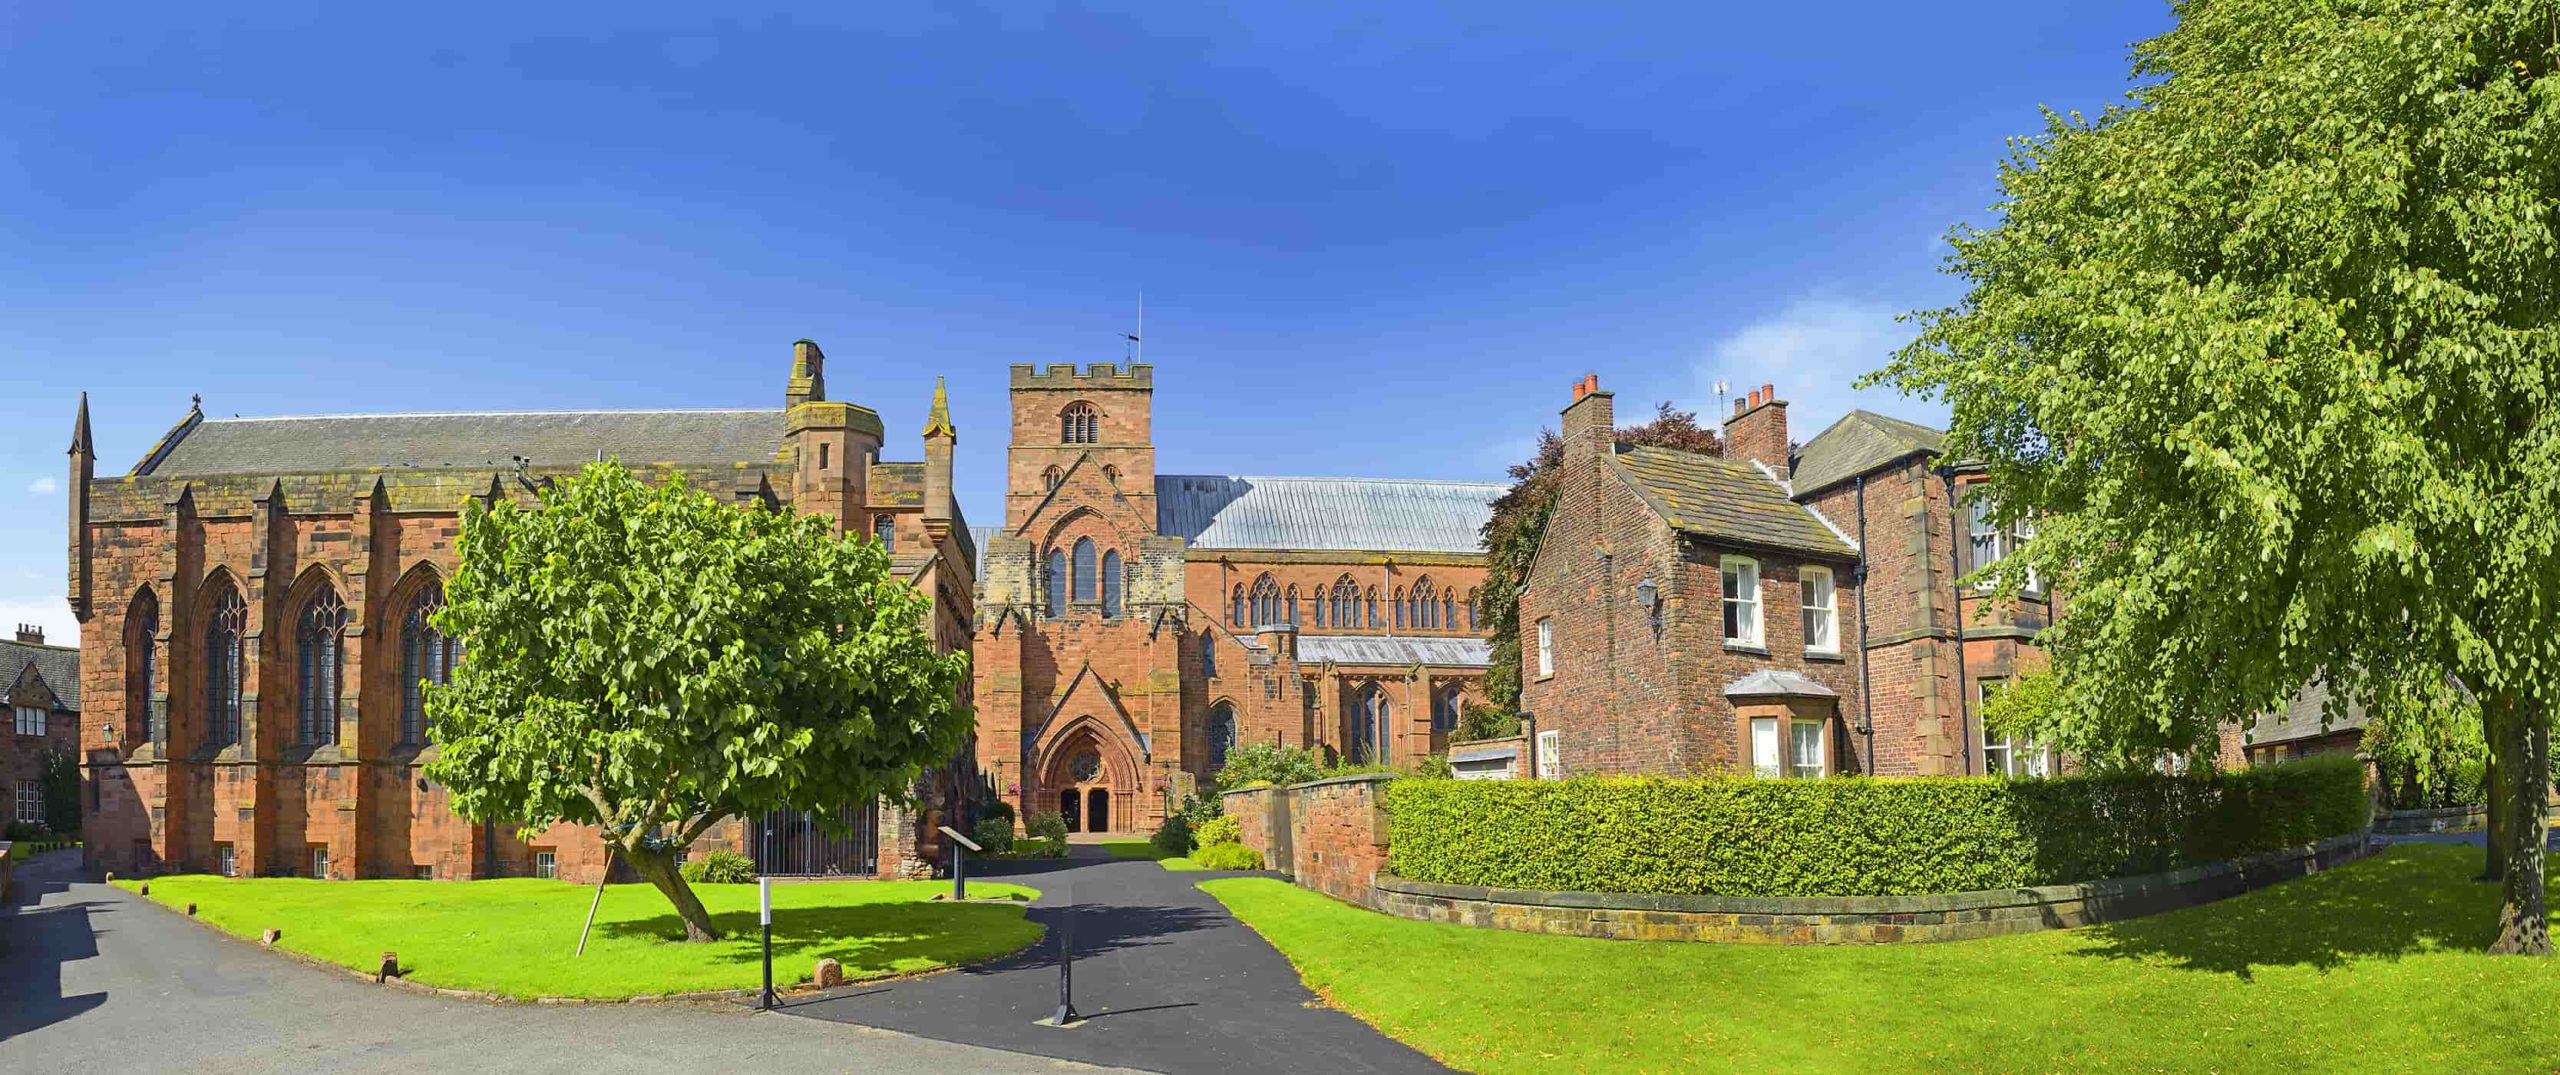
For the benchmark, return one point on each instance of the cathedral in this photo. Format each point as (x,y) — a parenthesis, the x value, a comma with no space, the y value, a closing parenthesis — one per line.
(1133,626)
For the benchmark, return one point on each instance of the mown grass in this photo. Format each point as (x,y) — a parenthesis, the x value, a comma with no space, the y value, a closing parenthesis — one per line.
(1142,849)
(518,936)
(2373,967)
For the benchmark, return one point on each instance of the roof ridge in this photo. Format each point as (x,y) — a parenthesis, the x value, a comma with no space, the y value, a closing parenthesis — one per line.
(39,645)
(1338,478)
(489,414)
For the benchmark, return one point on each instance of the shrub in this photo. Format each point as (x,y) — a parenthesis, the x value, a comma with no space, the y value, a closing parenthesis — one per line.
(1270,763)
(1174,836)
(1227,857)
(997,808)
(993,834)
(1219,830)
(720,868)
(1040,847)
(1479,721)
(1198,808)
(1434,767)
(1048,825)
(1854,836)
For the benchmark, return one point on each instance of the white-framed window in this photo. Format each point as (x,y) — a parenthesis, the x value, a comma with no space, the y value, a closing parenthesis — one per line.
(31,802)
(1808,749)
(1550,749)
(1821,610)
(31,720)
(546,865)
(1765,763)
(2017,757)
(320,863)
(226,861)
(1547,646)
(1741,600)
(1991,543)
(423,873)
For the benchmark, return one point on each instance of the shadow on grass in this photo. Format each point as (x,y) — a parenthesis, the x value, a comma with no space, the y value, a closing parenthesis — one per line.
(2400,902)
(866,938)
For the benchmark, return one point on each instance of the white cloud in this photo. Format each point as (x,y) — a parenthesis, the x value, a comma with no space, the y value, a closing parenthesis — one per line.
(43,486)
(1812,351)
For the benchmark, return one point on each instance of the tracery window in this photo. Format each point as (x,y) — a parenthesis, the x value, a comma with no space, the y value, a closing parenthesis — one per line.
(1375,622)
(1346,602)
(1222,734)
(1289,615)
(1086,582)
(1050,479)
(1426,606)
(223,628)
(1053,595)
(319,658)
(1111,583)
(1266,600)
(426,656)
(1080,424)
(142,640)
(1238,615)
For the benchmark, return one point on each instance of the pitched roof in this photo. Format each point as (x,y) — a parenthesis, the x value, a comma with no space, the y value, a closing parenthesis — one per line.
(2300,719)
(1725,500)
(1396,652)
(59,665)
(1860,441)
(1382,514)
(1777,682)
(476,441)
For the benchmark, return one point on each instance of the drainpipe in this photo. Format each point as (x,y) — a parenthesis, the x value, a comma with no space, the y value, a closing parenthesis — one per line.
(1866,681)
(1955,590)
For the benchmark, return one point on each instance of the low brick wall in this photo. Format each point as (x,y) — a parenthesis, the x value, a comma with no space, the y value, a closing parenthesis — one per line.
(1855,919)
(1327,835)
(2438,819)
(1252,809)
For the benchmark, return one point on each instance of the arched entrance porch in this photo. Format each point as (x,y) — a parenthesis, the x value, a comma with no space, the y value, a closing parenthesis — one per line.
(1090,777)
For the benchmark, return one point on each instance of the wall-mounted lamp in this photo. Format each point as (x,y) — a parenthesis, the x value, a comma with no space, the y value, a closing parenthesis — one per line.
(1649,598)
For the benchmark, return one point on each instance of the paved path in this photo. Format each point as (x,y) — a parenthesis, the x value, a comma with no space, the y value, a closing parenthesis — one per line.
(95,979)
(1171,982)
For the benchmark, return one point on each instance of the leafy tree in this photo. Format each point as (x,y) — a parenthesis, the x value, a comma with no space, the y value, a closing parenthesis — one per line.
(1519,522)
(2270,351)
(62,791)
(646,660)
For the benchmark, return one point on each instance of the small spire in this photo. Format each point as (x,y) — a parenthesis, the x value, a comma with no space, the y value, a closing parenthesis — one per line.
(80,429)
(938,420)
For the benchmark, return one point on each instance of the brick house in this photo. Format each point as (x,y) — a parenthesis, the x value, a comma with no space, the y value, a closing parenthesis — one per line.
(40,691)
(254,593)
(1134,625)
(1781,610)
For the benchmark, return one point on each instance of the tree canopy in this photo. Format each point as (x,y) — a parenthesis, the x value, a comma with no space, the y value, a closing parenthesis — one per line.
(1519,523)
(2270,351)
(642,658)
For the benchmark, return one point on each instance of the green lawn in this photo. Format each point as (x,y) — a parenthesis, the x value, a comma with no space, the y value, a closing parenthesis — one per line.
(518,936)
(2373,967)
(20,849)
(1141,849)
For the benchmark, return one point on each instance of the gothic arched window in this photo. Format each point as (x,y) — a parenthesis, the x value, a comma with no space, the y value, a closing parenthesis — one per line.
(141,643)
(1053,595)
(1444,709)
(1087,580)
(884,529)
(1051,478)
(1237,614)
(1449,609)
(1403,603)
(1475,610)
(319,657)
(1289,615)
(1266,601)
(426,656)
(1080,424)
(1426,606)
(1111,583)
(227,621)
(1370,718)
(1208,653)
(1111,474)
(1375,621)
(1346,602)
(1222,734)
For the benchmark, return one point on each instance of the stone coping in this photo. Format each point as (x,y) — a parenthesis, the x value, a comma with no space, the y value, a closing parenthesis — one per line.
(2110,889)
(1330,781)
(2426,813)
(1472,752)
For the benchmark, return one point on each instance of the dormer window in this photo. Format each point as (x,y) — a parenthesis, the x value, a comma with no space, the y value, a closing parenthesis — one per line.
(1080,424)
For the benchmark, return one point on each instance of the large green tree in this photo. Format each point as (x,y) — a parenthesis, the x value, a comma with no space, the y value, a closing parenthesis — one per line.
(646,660)
(1519,523)
(2270,349)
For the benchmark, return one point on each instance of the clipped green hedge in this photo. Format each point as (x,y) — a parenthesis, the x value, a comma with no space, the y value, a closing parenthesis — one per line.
(1855,837)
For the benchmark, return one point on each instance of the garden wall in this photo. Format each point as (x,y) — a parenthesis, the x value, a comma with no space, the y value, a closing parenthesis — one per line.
(1328,835)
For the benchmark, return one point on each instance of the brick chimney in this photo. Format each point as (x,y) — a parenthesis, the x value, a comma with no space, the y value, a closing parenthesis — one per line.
(1758,430)
(28,632)
(1591,422)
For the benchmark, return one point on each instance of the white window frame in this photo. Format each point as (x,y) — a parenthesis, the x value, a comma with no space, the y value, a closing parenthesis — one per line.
(1546,646)
(1738,584)
(226,860)
(2010,756)
(1825,615)
(320,862)
(30,720)
(1550,755)
(546,865)
(1768,752)
(1982,533)
(1821,765)
(30,802)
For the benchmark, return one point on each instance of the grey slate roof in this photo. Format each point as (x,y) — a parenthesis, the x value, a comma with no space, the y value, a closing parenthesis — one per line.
(59,665)
(1860,441)
(1769,682)
(466,441)
(1725,500)
(1397,652)
(2300,719)
(1488,752)
(1380,514)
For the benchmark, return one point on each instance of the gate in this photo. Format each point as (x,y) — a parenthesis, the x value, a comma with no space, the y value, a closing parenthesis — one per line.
(794,843)
(1284,833)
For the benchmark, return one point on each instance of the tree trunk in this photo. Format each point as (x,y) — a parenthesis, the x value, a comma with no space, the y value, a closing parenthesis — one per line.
(2520,739)
(659,869)
(2493,800)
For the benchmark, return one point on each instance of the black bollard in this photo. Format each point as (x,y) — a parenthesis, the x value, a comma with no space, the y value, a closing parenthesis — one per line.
(1067,1015)
(764,913)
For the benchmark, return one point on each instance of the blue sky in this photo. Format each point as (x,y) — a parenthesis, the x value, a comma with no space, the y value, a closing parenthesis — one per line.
(1374,239)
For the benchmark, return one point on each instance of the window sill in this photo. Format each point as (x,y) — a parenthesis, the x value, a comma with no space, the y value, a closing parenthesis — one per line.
(1542,677)
(1825,655)
(1746,647)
